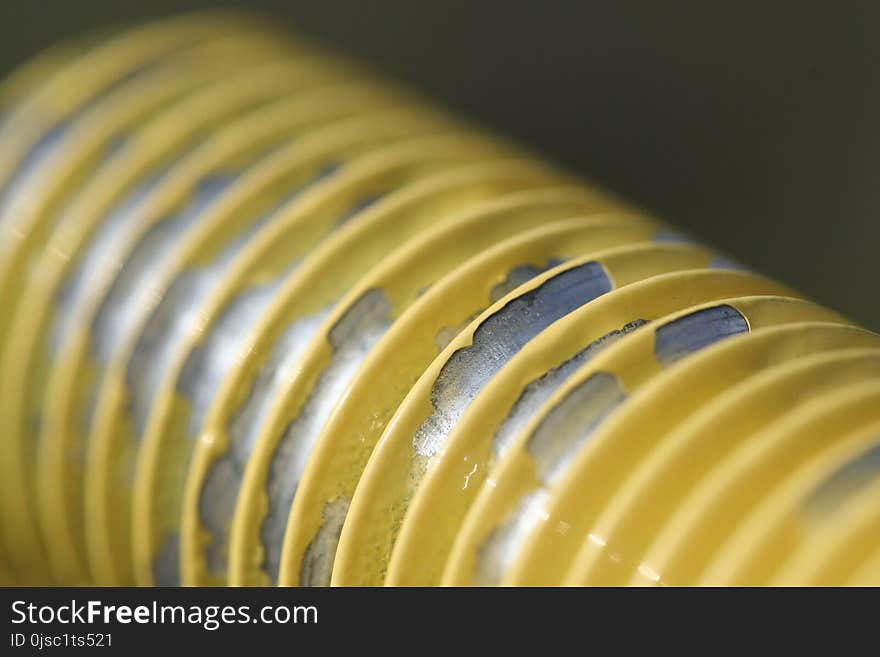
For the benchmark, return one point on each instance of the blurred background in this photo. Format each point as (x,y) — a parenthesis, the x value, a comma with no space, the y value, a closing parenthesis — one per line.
(753,125)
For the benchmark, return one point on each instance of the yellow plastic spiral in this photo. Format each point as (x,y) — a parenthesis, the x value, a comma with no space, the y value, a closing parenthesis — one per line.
(271,320)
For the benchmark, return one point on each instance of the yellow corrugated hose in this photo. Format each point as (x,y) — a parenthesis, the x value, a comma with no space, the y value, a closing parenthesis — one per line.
(269,320)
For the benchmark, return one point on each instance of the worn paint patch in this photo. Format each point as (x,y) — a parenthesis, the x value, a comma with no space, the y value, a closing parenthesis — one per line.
(850,478)
(39,153)
(207,366)
(670,236)
(166,566)
(178,314)
(690,333)
(560,435)
(103,248)
(317,564)
(358,207)
(724,262)
(351,338)
(568,426)
(497,553)
(223,480)
(135,281)
(496,340)
(512,280)
(540,390)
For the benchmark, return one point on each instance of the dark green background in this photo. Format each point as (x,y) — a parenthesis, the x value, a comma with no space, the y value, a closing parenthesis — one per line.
(752,124)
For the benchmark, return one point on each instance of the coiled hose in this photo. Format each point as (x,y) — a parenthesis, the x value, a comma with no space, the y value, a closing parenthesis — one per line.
(271,320)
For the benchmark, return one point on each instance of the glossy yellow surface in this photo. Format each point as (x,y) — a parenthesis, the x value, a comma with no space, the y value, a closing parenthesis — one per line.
(148,153)
(270,320)
(388,483)
(31,208)
(618,455)
(801,455)
(99,66)
(509,463)
(679,553)
(861,532)
(314,288)
(401,280)
(231,149)
(349,435)
(298,226)
(833,541)
(246,138)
